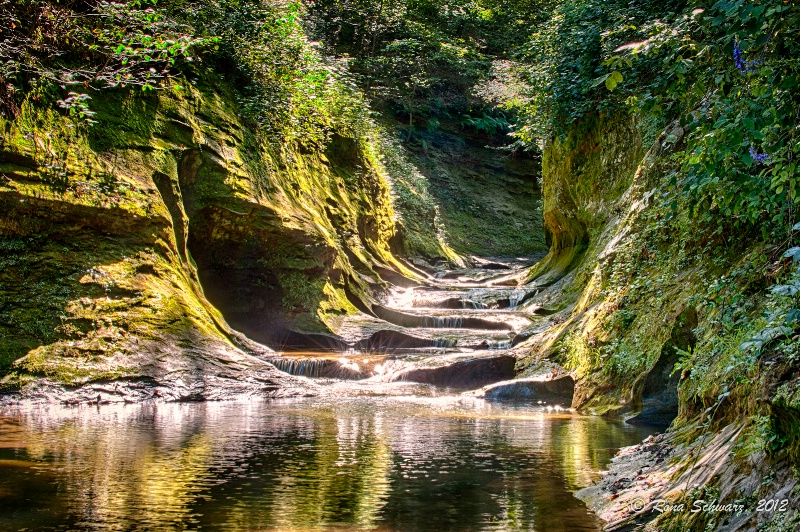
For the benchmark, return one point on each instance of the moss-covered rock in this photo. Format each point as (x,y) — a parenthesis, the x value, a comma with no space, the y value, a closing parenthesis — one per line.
(658,307)
(488,200)
(150,238)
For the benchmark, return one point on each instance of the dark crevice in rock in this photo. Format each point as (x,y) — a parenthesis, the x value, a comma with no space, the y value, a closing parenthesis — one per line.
(354,299)
(361,267)
(397,279)
(659,395)
(495,266)
(171,196)
(387,340)
(419,271)
(233,265)
(292,341)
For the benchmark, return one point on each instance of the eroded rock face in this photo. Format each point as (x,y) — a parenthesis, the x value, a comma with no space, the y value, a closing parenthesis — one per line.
(660,392)
(557,391)
(172,226)
(489,205)
(583,175)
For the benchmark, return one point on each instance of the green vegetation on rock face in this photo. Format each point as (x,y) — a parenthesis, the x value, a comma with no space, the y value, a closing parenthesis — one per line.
(246,187)
(179,191)
(669,200)
(489,200)
(427,66)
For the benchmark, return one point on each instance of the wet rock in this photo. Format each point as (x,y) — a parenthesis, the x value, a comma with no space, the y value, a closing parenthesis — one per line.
(508,282)
(465,374)
(451,275)
(559,391)
(394,277)
(264,382)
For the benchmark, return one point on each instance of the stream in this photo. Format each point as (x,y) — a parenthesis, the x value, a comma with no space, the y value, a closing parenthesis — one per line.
(397,441)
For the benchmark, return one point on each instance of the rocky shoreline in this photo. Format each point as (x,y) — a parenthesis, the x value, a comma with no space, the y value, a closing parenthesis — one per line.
(264,384)
(665,484)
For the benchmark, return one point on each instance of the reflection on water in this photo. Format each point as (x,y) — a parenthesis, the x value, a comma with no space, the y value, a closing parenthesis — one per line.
(359,463)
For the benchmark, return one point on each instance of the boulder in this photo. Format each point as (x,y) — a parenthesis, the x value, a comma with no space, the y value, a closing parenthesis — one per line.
(556,391)
(466,374)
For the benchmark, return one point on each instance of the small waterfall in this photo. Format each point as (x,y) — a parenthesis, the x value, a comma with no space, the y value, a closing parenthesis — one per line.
(342,368)
(443,322)
(468,303)
(301,367)
(387,371)
(445,342)
(498,345)
(516,298)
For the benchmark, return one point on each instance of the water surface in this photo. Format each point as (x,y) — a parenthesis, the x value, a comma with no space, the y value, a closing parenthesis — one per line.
(359,463)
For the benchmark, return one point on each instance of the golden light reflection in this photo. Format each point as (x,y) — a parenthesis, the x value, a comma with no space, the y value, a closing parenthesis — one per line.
(360,463)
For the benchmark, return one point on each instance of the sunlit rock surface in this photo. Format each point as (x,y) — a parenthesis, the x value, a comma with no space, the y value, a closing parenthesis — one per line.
(536,390)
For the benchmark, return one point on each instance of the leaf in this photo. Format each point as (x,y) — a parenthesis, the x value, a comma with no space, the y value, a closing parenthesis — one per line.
(772,333)
(792,316)
(793,252)
(613,79)
(598,81)
(784,290)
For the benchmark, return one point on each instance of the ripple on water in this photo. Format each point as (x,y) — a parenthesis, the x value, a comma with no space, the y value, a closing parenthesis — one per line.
(356,463)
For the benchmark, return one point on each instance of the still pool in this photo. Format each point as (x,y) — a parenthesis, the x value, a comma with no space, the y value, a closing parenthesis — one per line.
(350,463)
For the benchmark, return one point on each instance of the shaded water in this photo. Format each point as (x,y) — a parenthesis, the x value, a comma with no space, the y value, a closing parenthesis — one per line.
(398,463)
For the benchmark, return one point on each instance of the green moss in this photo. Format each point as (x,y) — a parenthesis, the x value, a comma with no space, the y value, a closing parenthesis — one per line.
(633,268)
(108,267)
(481,202)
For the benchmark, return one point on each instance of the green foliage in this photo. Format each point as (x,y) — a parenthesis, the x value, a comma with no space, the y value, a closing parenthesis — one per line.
(561,64)
(291,91)
(613,360)
(90,45)
(770,438)
(77,106)
(729,73)
(487,123)
(424,57)
(783,317)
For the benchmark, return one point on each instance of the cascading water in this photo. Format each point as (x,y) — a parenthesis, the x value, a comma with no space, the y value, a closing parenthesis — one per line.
(320,367)
(389,370)
(498,345)
(516,298)
(301,367)
(452,322)
(443,322)
(443,343)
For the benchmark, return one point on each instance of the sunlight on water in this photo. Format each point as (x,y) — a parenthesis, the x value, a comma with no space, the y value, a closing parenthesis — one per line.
(359,463)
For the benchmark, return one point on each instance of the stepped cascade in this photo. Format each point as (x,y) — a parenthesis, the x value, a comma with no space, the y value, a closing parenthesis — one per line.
(430,332)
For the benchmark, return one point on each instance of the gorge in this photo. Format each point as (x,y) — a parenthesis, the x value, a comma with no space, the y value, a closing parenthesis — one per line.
(345,265)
